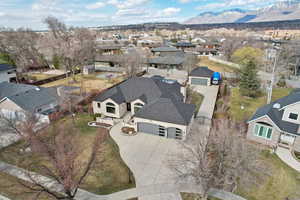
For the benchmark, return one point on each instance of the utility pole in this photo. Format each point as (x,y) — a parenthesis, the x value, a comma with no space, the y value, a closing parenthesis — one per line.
(270,89)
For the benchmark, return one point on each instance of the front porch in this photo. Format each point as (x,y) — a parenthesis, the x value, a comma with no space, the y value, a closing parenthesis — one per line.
(286,141)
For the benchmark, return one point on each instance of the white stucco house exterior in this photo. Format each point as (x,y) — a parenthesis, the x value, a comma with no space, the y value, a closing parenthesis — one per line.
(157,107)
(8,73)
(277,123)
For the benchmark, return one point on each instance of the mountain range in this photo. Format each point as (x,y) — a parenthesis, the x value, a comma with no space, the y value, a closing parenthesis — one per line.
(285,10)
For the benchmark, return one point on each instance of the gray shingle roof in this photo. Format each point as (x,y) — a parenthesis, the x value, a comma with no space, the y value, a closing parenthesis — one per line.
(168,110)
(33,99)
(185,44)
(165,49)
(136,87)
(276,115)
(10,89)
(164,101)
(202,72)
(167,60)
(5,67)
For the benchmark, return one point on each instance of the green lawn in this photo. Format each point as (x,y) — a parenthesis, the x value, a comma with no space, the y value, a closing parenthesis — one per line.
(284,182)
(215,66)
(109,173)
(251,104)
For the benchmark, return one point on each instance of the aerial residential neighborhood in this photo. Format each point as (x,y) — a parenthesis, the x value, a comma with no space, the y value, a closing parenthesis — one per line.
(149,100)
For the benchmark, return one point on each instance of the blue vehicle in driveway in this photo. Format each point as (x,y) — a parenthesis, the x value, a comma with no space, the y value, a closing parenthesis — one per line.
(216,78)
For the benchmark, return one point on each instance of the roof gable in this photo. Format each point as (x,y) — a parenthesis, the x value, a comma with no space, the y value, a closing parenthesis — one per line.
(202,72)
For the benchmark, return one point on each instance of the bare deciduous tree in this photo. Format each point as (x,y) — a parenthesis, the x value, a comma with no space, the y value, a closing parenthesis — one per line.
(75,47)
(221,158)
(190,62)
(133,62)
(22,47)
(65,168)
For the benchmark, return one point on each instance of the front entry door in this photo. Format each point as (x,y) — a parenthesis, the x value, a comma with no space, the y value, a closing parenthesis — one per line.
(128,106)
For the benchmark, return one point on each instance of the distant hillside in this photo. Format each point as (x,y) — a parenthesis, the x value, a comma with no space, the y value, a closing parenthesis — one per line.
(282,11)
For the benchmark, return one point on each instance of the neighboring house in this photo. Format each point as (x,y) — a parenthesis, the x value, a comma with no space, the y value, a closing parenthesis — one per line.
(200,76)
(184,46)
(110,50)
(207,51)
(88,69)
(21,98)
(167,51)
(8,73)
(156,105)
(166,62)
(277,123)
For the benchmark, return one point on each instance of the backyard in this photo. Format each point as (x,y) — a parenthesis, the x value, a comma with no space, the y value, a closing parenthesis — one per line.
(109,173)
(88,82)
(242,108)
(215,66)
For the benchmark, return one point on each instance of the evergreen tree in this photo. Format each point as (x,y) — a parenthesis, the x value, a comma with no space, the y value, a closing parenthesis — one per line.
(249,82)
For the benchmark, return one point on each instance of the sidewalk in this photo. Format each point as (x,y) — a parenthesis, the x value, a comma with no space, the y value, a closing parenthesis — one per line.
(286,156)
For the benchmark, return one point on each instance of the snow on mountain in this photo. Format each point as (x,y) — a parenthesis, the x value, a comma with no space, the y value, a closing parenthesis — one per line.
(284,10)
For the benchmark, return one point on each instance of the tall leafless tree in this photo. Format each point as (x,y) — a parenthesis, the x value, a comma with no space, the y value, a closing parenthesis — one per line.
(75,47)
(133,62)
(66,169)
(221,158)
(21,46)
(190,62)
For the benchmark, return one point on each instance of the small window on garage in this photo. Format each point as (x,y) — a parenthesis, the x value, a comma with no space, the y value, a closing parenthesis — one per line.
(178,134)
(162,131)
(293,116)
(99,105)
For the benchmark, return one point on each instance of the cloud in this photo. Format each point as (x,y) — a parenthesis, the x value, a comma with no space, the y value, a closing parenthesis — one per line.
(95,5)
(170,11)
(185,1)
(130,3)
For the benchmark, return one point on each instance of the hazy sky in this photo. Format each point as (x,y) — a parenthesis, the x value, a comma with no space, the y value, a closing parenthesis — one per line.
(30,13)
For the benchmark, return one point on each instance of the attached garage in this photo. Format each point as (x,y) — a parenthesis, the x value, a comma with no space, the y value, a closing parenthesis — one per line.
(175,133)
(199,81)
(148,128)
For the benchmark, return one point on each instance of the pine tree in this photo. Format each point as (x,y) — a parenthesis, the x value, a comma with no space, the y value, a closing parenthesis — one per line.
(249,83)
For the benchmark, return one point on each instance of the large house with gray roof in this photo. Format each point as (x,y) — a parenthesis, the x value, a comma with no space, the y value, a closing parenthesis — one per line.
(21,98)
(157,106)
(277,123)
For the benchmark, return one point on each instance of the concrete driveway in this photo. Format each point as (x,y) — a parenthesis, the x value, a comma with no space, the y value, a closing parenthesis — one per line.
(147,157)
(210,94)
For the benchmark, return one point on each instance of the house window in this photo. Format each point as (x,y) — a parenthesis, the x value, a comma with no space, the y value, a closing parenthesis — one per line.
(110,108)
(99,105)
(162,131)
(263,131)
(137,107)
(293,116)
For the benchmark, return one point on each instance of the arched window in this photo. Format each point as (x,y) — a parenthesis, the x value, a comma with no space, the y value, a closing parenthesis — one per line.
(110,108)
(137,107)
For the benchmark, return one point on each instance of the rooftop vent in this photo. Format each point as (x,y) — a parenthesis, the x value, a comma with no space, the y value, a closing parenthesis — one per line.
(277,106)
(37,89)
